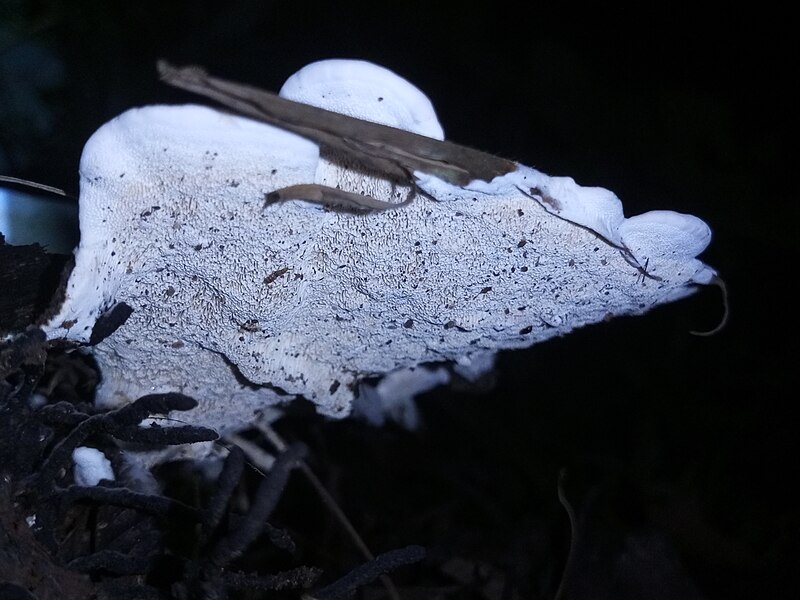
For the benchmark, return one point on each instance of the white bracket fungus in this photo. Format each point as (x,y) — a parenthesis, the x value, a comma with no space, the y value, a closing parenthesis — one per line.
(244,303)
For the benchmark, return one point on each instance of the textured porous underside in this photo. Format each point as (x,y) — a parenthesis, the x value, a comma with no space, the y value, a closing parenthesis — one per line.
(244,305)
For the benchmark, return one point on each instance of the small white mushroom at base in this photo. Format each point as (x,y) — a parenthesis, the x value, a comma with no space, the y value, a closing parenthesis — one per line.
(91,466)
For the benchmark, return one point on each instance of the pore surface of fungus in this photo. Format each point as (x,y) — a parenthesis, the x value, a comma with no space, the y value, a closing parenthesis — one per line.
(244,304)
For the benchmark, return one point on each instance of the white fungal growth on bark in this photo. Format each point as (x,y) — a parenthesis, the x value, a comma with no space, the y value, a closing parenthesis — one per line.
(245,305)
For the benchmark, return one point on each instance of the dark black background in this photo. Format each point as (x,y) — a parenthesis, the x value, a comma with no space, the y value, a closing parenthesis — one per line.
(695,438)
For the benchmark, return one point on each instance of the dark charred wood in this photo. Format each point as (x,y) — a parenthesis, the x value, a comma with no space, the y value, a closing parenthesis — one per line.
(32,285)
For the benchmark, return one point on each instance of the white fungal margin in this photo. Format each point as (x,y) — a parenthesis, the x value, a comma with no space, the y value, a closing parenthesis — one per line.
(647,239)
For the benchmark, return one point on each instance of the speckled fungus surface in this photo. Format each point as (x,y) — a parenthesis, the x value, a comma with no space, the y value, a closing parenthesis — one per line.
(244,304)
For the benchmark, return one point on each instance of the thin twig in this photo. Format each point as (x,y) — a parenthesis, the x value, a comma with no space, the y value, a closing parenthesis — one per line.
(573,525)
(33,184)
(726,309)
(330,503)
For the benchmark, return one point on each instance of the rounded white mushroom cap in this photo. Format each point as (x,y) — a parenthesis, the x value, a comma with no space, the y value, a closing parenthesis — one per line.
(361,89)
(665,233)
